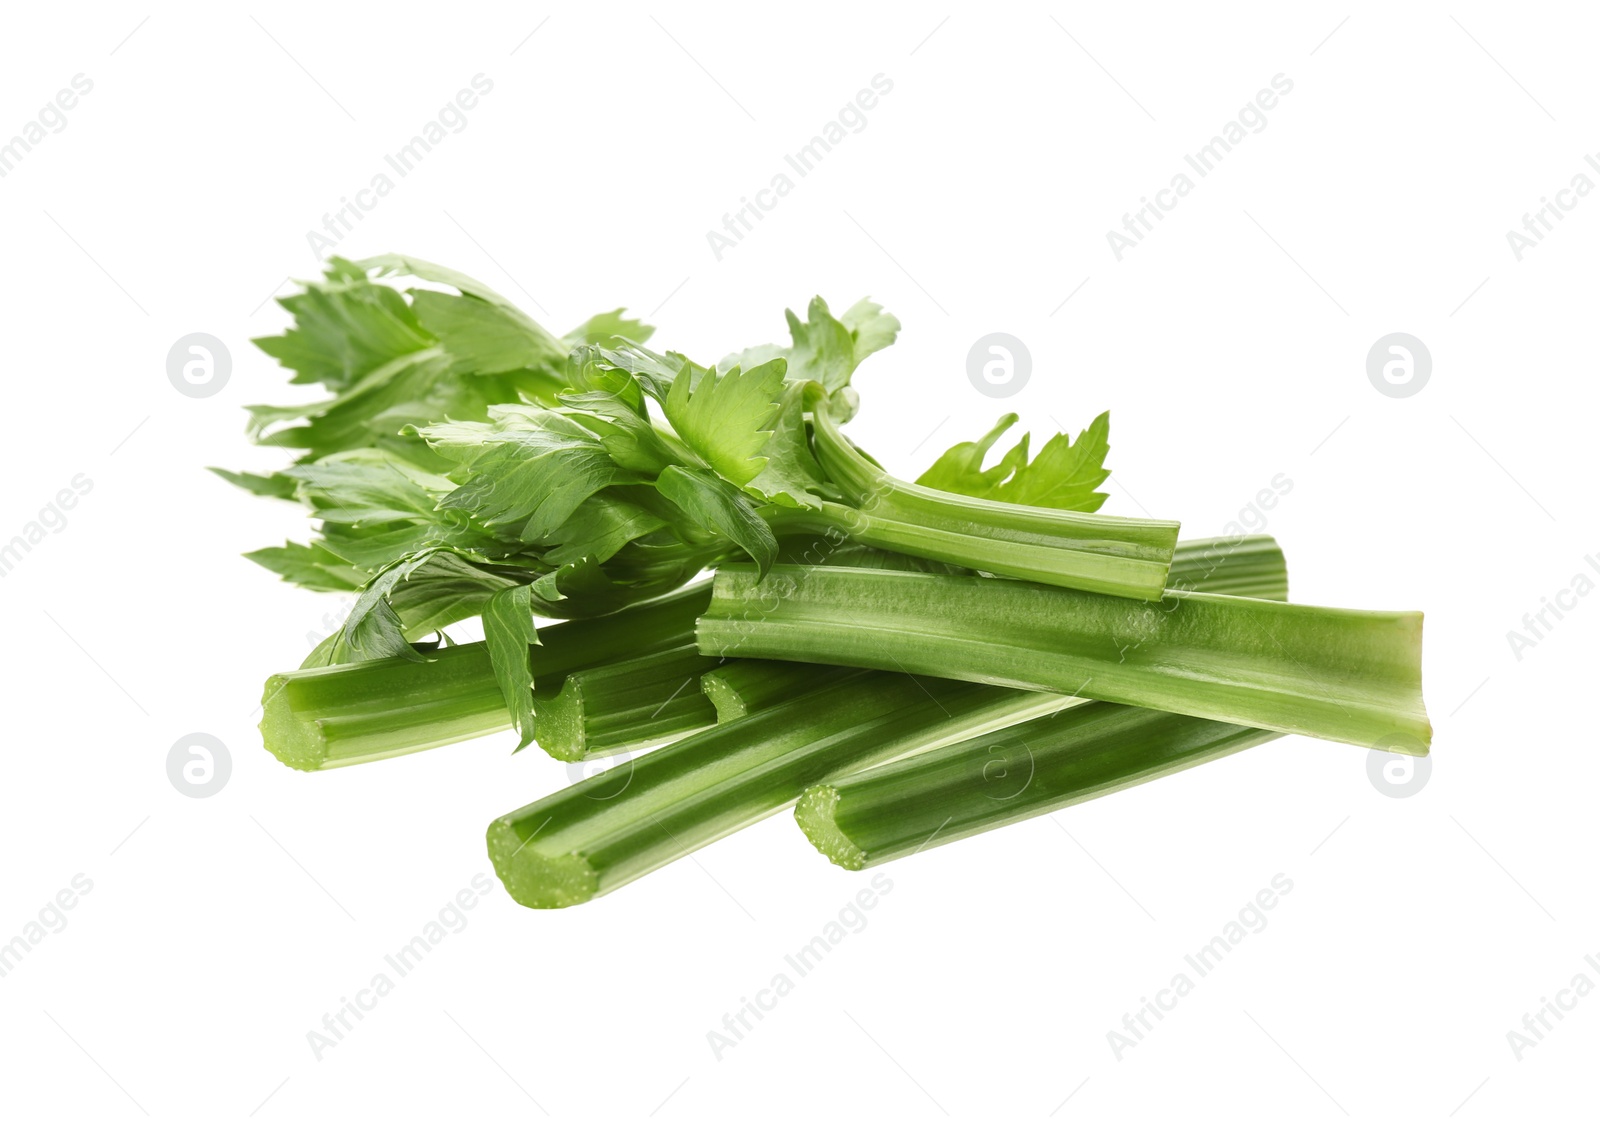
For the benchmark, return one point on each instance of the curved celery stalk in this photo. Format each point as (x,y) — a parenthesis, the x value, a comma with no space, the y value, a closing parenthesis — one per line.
(645,698)
(599,834)
(1019,772)
(1346,675)
(317,718)
(1099,553)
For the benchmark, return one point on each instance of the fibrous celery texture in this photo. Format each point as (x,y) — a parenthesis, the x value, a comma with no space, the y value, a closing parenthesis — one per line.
(318,718)
(1031,768)
(1346,675)
(599,834)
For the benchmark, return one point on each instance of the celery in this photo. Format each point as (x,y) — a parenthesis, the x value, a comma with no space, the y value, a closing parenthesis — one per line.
(738,688)
(1006,776)
(318,718)
(638,701)
(1345,675)
(613,828)
(1128,557)
(599,834)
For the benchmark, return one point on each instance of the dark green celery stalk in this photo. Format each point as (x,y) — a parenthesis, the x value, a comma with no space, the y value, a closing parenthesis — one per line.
(317,718)
(598,835)
(645,698)
(1099,553)
(1345,675)
(1006,776)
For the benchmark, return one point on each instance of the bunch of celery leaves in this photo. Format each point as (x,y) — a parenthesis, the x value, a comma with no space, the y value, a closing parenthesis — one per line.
(903,663)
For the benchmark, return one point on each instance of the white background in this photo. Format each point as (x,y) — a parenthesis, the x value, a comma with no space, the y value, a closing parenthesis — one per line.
(1230,347)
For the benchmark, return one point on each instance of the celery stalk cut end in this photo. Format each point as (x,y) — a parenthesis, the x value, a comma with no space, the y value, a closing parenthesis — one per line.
(728,703)
(559,726)
(538,880)
(815,814)
(293,741)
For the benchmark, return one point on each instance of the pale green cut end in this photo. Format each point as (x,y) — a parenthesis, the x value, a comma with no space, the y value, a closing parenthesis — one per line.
(534,879)
(293,741)
(729,703)
(558,724)
(814,812)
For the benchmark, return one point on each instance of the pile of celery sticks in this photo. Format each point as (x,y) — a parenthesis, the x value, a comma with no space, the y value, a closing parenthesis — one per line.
(904,663)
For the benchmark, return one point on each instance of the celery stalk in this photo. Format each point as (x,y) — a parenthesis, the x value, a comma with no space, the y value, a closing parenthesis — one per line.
(1346,675)
(640,700)
(1101,553)
(599,834)
(1006,776)
(318,718)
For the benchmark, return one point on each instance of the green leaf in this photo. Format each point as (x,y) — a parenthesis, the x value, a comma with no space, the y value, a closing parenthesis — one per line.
(508,632)
(345,327)
(824,350)
(582,589)
(791,473)
(725,417)
(718,506)
(446,589)
(372,630)
(531,478)
(430,272)
(412,388)
(1062,476)
(606,328)
(827,350)
(961,468)
(654,373)
(367,485)
(275,485)
(483,337)
(313,567)
(872,327)
(623,428)
(600,526)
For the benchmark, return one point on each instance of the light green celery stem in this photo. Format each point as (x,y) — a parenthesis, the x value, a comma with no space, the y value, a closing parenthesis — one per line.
(1247,566)
(599,834)
(1006,776)
(317,718)
(1346,675)
(1099,553)
(641,700)
(1251,566)
(738,688)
